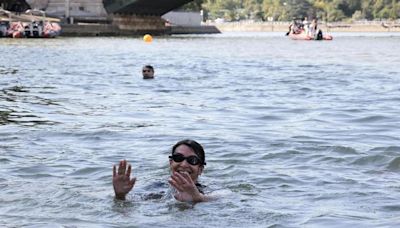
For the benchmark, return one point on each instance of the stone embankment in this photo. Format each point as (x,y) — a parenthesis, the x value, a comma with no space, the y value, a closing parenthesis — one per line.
(328,27)
(90,29)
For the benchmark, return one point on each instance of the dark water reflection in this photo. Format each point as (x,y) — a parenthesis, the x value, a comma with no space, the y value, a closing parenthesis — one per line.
(17,95)
(297,134)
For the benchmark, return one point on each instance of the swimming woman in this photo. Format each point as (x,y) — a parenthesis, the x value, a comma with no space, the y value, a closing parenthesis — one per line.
(186,163)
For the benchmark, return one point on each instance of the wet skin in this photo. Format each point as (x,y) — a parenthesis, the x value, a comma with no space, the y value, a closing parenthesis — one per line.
(183,178)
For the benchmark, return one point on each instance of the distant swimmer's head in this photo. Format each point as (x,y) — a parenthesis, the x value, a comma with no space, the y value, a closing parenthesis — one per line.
(148,72)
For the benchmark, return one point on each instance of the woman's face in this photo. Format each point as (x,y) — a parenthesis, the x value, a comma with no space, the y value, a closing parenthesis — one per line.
(193,170)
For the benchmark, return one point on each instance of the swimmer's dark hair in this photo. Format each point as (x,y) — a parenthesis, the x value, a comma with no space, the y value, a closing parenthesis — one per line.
(195,146)
(149,67)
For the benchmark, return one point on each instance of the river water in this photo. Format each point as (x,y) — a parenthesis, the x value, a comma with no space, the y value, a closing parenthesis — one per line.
(296,133)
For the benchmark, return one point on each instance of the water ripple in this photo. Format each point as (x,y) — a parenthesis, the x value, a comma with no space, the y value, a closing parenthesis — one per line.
(291,141)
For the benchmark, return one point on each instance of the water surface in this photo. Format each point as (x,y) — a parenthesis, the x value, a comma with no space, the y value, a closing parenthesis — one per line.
(296,133)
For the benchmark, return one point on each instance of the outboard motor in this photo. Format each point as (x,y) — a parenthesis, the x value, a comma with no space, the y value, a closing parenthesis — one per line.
(35,29)
(27,30)
(319,35)
(2,31)
(4,25)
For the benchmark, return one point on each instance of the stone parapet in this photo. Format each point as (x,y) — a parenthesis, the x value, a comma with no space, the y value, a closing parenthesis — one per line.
(204,29)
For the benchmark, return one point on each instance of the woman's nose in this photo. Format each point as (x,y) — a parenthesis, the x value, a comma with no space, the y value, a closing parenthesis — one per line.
(185,163)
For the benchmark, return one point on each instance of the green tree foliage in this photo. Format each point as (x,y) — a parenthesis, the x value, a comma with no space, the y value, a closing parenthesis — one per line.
(227,9)
(284,10)
(252,9)
(195,5)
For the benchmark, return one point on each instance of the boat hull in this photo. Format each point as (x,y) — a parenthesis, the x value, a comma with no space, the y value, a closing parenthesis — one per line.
(303,36)
(33,30)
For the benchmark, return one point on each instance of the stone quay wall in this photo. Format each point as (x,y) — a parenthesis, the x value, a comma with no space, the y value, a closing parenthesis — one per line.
(376,26)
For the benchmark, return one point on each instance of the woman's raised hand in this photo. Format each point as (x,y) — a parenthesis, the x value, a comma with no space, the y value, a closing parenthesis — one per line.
(186,188)
(122,182)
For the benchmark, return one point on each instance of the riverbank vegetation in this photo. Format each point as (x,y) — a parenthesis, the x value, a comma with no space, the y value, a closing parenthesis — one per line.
(286,10)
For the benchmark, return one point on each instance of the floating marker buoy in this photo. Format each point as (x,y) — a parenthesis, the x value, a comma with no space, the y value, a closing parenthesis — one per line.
(147,38)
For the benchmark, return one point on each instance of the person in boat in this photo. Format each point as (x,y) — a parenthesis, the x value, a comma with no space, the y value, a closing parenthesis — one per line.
(306,25)
(148,72)
(290,29)
(294,27)
(313,27)
(186,162)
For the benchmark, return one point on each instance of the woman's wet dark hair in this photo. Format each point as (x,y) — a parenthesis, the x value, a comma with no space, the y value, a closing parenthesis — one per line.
(196,147)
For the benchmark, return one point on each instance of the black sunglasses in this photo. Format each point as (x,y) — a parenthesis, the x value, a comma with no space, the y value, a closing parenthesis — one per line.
(193,160)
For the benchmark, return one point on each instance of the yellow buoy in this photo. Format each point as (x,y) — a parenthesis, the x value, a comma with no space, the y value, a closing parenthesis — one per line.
(147,38)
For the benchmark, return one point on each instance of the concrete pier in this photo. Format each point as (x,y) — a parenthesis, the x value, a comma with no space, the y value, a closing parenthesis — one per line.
(114,30)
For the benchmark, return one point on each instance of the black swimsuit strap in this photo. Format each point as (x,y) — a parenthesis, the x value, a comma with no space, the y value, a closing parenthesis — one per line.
(200,187)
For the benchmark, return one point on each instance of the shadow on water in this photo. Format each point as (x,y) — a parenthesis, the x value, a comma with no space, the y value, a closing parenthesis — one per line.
(10,116)
(8,71)
(20,95)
